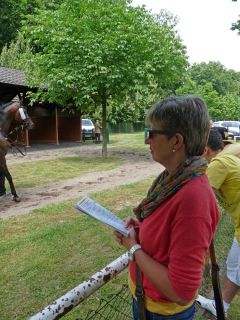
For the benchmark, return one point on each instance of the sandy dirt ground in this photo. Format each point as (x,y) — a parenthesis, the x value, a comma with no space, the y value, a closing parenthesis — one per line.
(135,167)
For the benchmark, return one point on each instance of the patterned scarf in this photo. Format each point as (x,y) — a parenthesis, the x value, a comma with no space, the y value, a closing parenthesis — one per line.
(166,185)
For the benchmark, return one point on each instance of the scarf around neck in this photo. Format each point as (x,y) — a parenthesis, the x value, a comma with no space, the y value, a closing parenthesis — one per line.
(166,185)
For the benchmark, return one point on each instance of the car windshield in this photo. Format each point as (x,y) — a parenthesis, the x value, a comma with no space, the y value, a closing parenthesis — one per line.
(235,124)
(227,124)
(231,124)
(87,122)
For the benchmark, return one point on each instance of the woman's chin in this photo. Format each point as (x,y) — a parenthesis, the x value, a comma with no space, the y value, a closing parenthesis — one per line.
(153,157)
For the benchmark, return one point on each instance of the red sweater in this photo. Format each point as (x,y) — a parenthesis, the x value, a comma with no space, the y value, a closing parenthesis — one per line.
(178,235)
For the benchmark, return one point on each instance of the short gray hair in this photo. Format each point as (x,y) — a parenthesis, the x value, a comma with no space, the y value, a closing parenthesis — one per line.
(187,115)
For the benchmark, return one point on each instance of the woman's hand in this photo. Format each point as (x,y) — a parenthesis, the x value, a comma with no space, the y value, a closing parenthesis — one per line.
(132,238)
(128,241)
(130,222)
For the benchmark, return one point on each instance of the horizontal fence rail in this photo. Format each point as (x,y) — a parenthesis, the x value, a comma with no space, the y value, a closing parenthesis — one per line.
(118,307)
(67,302)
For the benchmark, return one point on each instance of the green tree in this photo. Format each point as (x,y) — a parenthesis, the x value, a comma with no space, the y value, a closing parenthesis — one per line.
(213,100)
(223,80)
(220,107)
(219,86)
(12,13)
(9,21)
(236,26)
(134,106)
(230,107)
(207,93)
(10,56)
(92,52)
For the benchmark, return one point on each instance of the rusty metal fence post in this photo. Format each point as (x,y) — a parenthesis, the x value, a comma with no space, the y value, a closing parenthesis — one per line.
(67,302)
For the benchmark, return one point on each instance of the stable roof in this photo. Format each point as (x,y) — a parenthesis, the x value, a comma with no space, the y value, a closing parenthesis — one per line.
(12,83)
(12,77)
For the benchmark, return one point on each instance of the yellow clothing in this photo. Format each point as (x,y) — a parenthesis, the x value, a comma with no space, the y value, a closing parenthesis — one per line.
(224,175)
(233,149)
(163,308)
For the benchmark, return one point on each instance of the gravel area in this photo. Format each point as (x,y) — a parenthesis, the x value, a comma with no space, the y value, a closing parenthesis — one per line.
(136,166)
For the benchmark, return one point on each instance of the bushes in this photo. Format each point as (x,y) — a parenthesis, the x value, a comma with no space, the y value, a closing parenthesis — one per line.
(126,127)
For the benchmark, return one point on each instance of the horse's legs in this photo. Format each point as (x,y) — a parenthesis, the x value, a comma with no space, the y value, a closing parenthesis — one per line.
(8,176)
(13,190)
(2,184)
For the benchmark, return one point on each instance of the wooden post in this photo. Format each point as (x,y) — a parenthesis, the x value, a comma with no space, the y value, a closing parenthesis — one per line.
(26,133)
(27,138)
(56,124)
(81,140)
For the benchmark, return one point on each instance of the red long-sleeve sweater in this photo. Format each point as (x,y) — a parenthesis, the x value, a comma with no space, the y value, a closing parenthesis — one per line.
(178,235)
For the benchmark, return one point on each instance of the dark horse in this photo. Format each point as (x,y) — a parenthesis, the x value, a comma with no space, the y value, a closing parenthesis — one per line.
(12,115)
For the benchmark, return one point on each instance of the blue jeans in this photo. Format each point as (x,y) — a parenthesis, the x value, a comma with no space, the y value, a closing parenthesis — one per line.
(187,314)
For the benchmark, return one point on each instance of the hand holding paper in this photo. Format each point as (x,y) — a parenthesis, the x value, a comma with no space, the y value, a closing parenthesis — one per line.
(100,213)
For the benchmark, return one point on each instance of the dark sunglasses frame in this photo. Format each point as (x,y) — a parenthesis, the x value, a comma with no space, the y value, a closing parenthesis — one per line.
(152,132)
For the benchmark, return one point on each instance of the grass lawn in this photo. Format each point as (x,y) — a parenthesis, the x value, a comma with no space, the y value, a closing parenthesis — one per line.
(128,142)
(48,252)
(48,171)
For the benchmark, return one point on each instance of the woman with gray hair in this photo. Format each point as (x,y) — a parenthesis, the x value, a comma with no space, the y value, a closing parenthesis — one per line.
(176,221)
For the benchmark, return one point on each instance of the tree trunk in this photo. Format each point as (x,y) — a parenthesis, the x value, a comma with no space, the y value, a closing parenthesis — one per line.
(104,127)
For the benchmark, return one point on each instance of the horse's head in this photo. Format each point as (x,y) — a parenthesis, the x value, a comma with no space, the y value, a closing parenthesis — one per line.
(22,116)
(14,116)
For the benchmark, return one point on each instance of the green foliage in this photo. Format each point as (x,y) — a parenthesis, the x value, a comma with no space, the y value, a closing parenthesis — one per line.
(10,56)
(92,52)
(127,127)
(230,107)
(236,26)
(212,99)
(9,21)
(133,108)
(223,81)
(219,87)
(12,13)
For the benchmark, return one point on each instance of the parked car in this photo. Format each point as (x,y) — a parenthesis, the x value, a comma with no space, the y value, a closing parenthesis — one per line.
(232,126)
(88,131)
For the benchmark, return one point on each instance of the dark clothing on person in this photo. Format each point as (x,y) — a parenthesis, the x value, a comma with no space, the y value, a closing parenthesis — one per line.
(223,131)
(2,184)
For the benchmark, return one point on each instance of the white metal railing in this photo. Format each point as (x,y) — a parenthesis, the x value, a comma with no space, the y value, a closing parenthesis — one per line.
(71,299)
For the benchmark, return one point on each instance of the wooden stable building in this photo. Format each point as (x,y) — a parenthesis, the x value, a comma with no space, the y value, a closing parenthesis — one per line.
(52,125)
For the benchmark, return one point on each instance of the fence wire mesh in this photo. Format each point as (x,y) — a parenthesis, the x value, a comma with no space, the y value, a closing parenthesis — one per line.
(118,306)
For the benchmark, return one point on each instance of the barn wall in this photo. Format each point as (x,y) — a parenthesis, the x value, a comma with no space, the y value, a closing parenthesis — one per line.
(44,130)
(69,128)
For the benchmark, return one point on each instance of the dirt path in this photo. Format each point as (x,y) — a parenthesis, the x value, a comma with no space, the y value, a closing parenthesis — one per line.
(135,167)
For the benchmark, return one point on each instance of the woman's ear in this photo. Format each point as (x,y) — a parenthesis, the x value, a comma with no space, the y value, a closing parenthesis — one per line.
(179,141)
(206,151)
(208,154)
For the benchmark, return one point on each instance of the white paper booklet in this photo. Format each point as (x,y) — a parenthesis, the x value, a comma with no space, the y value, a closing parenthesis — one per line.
(100,213)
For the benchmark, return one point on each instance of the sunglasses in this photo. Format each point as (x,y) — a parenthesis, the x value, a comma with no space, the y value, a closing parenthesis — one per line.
(152,132)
